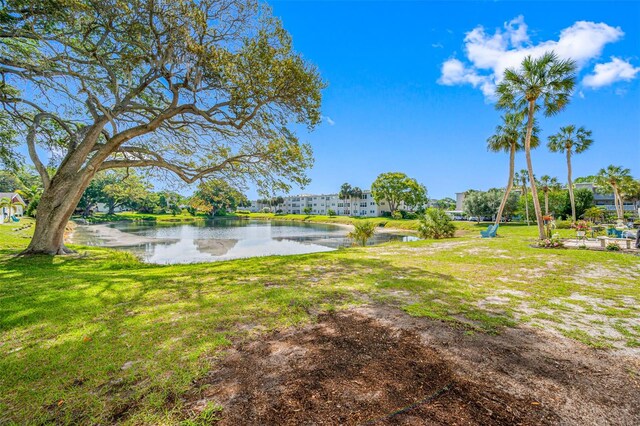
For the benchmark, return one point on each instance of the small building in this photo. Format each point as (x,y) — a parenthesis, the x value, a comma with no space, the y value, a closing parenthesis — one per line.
(16,207)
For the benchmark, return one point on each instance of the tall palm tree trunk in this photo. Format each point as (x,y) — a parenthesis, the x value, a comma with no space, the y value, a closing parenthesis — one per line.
(526,199)
(503,203)
(534,190)
(570,186)
(618,203)
(546,203)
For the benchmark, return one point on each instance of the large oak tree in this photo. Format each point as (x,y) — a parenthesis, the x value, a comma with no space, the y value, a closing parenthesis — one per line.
(197,88)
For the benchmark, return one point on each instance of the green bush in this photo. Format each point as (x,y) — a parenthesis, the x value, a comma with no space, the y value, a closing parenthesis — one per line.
(408,215)
(331,212)
(243,212)
(396,215)
(32,207)
(436,224)
(563,224)
(613,247)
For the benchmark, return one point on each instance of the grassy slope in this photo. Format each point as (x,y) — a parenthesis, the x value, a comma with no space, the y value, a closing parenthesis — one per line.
(85,337)
(382,221)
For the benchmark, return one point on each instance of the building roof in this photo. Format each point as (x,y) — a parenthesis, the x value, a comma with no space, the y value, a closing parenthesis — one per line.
(14,197)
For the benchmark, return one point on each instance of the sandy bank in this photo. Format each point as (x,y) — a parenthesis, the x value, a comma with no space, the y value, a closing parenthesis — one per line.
(112,237)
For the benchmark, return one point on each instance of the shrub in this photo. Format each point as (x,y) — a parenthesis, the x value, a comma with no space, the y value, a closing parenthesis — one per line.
(396,215)
(266,210)
(612,247)
(563,224)
(362,232)
(331,212)
(550,243)
(243,212)
(32,207)
(408,215)
(307,210)
(436,224)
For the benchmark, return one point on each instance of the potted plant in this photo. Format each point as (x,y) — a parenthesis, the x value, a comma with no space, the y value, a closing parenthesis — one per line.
(581,228)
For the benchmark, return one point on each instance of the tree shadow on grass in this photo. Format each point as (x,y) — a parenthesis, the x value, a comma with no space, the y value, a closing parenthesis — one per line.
(86,317)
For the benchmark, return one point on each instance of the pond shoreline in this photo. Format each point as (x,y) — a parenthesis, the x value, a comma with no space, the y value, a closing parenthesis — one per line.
(383,227)
(221,239)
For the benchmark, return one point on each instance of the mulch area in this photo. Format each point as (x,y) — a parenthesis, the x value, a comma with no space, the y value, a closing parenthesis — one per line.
(351,368)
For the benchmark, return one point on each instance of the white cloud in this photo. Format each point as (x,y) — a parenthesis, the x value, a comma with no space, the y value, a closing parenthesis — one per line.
(454,72)
(437,45)
(610,72)
(490,54)
(329,121)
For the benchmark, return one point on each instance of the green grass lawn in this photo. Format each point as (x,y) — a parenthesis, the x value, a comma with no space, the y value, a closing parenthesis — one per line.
(88,336)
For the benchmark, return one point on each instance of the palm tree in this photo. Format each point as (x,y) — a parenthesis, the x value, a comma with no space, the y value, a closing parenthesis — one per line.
(616,178)
(547,79)
(362,232)
(357,194)
(547,184)
(509,137)
(9,204)
(4,202)
(522,178)
(344,194)
(30,194)
(570,141)
(631,192)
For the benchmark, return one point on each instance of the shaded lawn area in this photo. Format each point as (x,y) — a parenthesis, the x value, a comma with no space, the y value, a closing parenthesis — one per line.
(88,337)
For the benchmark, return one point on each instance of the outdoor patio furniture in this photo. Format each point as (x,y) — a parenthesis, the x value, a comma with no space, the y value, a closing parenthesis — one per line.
(612,232)
(490,232)
(605,240)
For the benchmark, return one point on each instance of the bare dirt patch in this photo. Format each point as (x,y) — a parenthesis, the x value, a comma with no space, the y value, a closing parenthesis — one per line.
(377,365)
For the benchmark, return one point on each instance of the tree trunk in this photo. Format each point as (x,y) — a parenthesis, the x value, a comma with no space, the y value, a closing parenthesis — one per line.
(503,203)
(56,206)
(112,208)
(526,199)
(570,185)
(546,203)
(534,190)
(618,203)
(87,209)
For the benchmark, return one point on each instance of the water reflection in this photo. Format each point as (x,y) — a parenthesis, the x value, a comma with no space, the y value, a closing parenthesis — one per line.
(223,239)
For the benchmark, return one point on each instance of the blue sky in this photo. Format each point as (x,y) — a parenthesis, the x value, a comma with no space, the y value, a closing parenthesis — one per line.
(389,107)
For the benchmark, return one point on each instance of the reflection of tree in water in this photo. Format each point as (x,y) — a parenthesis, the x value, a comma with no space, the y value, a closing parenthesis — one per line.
(215,247)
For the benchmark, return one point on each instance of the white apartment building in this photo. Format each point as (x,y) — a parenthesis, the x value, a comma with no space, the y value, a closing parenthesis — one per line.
(364,206)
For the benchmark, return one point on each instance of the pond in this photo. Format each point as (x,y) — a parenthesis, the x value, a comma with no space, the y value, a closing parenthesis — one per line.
(220,239)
